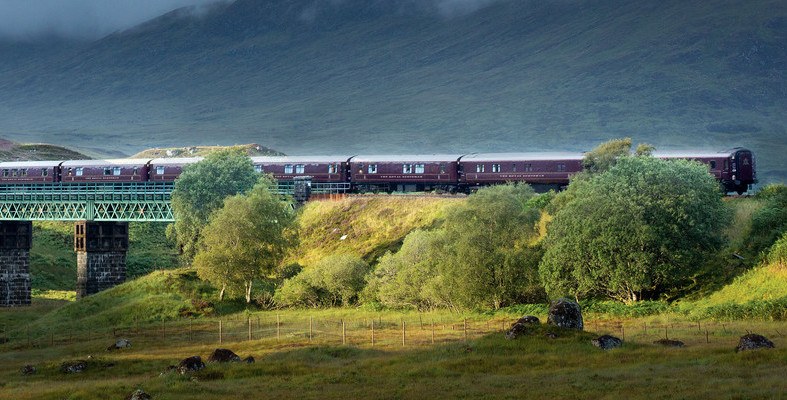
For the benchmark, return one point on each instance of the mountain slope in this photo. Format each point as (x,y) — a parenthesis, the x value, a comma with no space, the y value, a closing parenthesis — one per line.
(356,76)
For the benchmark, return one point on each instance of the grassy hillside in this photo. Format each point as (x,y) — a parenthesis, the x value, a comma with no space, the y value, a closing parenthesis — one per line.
(356,76)
(364,226)
(201,151)
(10,151)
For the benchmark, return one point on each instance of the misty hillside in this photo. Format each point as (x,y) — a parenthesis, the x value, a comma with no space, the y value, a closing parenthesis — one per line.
(361,76)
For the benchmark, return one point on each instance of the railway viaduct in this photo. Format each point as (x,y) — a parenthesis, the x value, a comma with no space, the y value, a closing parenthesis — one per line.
(101,213)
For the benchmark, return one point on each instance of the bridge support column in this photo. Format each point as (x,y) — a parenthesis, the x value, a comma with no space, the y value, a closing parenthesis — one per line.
(101,255)
(15,240)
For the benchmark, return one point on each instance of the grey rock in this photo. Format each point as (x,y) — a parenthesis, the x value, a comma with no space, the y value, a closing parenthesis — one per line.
(753,341)
(223,356)
(528,319)
(517,330)
(119,344)
(139,394)
(249,360)
(565,314)
(190,364)
(606,342)
(28,370)
(73,367)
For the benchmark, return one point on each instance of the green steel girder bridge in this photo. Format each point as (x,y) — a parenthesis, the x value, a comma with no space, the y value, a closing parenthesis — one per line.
(120,202)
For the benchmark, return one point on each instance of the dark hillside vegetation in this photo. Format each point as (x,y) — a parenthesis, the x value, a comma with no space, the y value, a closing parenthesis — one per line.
(394,76)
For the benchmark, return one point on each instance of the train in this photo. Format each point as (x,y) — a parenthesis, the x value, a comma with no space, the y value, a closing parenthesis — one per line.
(734,169)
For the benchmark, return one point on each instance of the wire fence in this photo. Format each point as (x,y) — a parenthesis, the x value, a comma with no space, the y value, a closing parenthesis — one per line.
(365,332)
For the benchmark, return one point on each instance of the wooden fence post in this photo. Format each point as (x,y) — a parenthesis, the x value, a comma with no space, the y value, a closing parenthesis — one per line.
(220,338)
(372,332)
(432,331)
(404,332)
(465,328)
(250,328)
(310,329)
(278,328)
(344,334)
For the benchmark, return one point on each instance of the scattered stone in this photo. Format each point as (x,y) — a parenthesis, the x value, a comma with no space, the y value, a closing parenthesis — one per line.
(528,319)
(72,367)
(249,360)
(753,341)
(190,364)
(28,370)
(119,344)
(223,356)
(565,314)
(517,330)
(669,343)
(551,335)
(138,394)
(606,342)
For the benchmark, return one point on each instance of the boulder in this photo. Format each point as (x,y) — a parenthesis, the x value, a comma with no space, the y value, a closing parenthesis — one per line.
(669,343)
(119,344)
(249,360)
(28,370)
(753,341)
(606,342)
(223,356)
(138,394)
(528,319)
(517,330)
(565,314)
(190,364)
(72,367)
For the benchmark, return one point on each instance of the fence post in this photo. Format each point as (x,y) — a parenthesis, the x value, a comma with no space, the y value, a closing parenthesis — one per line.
(250,328)
(372,332)
(278,328)
(404,332)
(220,332)
(464,326)
(344,334)
(310,329)
(432,331)
(191,329)
(706,336)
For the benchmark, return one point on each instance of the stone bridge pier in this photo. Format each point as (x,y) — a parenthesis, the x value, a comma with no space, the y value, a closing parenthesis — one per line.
(101,255)
(15,240)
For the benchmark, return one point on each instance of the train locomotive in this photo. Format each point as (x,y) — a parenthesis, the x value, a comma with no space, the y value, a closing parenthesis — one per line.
(735,170)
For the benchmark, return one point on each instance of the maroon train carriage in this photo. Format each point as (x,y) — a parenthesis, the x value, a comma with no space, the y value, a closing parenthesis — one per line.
(734,169)
(322,169)
(169,169)
(118,170)
(29,172)
(548,170)
(405,173)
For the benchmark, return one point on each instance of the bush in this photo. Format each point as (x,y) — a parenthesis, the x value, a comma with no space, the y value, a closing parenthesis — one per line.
(334,280)
(769,223)
(778,253)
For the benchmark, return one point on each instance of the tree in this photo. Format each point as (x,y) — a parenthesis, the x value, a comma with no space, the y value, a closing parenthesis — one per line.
(201,189)
(334,280)
(643,226)
(605,155)
(491,256)
(246,239)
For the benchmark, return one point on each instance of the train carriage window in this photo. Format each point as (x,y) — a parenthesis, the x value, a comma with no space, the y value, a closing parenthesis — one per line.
(372,168)
(13,172)
(726,165)
(561,168)
(300,168)
(44,172)
(24,172)
(288,169)
(495,167)
(528,168)
(79,171)
(116,171)
(5,172)
(442,168)
(135,171)
(160,170)
(332,168)
(258,168)
(513,167)
(712,164)
(107,171)
(420,168)
(407,168)
(479,168)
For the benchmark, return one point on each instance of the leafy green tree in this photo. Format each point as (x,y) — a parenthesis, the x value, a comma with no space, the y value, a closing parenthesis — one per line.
(334,280)
(643,226)
(246,239)
(201,189)
(605,155)
(769,222)
(409,277)
(491,257)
